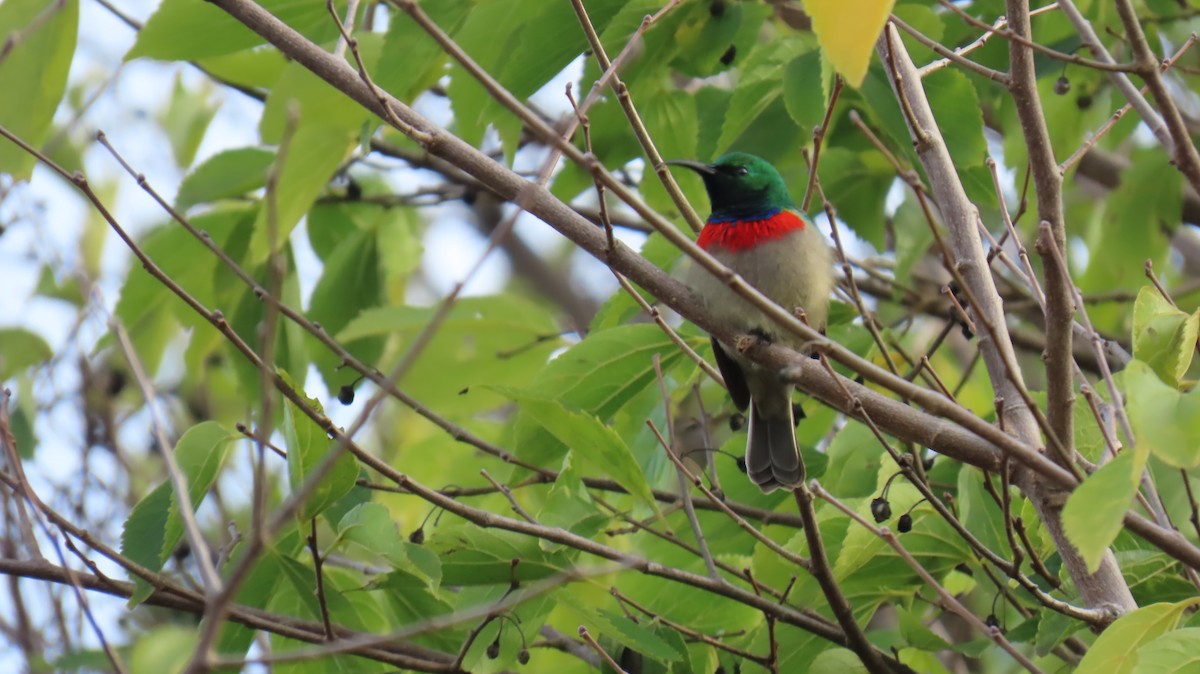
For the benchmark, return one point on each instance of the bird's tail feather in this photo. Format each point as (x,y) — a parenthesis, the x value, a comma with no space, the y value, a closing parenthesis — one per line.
(772,459)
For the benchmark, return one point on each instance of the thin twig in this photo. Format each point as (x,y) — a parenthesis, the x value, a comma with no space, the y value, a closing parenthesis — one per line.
(595,646)
(823,572)
(948,600)
(949,56)
(179,483)
(512,500)
(818,138)
(631,113)
(684,493)
(320,576)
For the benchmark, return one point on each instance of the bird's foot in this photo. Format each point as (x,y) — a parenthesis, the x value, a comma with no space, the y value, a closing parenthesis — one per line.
(755,337)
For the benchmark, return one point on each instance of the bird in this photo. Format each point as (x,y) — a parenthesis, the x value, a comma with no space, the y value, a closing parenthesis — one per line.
(756,231)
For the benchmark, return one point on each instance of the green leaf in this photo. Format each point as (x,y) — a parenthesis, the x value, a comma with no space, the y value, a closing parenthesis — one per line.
(490,35)
(1053,627)
(837,661)
(312,101)
(349,285)
(165,649)
(1163,336)
(1148,200)
(313,155)
(346,604)
(569,505)
(588,439)
(186,119)
(857,184)
(1116,650)
(182,30)
(371,526)
(495,339)
(670,118)
(759,85)
(1154,576)
(474,556)
(68,291)
(1089,438)
(411,60)
(225,175)
(152,313)
(978,510)
(1165,421)
(854,459)
(22,429)
(33,74)
(709,42)
(620,629)
(154,526)
(21,349)
(597,376)
(256,592)
(1095,512)
(924,19)
(956,109)
(308,446)
(913,237)
(802,91)
(916,634)
(548,42)
(254,68)
(1173,653)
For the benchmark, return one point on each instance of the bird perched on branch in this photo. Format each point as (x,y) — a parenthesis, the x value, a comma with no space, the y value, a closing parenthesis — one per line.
(756,230)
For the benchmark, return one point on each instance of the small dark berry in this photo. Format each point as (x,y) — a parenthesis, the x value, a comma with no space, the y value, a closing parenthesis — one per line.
(417,536)
(991,621)
(1083,102)
(737,422)
(346,394)
(493,649)
(881,510)
(1062,85)
(904,524)
(717,8)
(523,656)
(729,55)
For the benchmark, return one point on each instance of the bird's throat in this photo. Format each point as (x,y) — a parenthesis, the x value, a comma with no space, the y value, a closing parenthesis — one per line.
(737,234)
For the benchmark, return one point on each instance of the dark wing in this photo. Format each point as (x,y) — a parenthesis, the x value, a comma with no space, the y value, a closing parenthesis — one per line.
(735,381)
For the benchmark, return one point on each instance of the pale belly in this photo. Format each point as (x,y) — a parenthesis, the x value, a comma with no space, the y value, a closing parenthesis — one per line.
(795,271)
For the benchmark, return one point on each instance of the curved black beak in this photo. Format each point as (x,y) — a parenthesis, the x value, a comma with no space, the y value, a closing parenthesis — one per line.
(698,167)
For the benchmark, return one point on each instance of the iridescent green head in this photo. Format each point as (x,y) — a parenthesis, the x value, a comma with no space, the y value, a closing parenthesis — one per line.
(741,185)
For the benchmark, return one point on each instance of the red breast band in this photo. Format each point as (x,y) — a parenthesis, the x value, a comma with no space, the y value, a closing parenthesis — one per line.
(737,235)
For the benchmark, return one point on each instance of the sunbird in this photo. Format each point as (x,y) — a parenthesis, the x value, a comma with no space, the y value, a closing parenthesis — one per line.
(756,230)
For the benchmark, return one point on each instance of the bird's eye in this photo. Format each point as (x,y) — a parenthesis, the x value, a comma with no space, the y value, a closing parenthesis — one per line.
(743,171)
